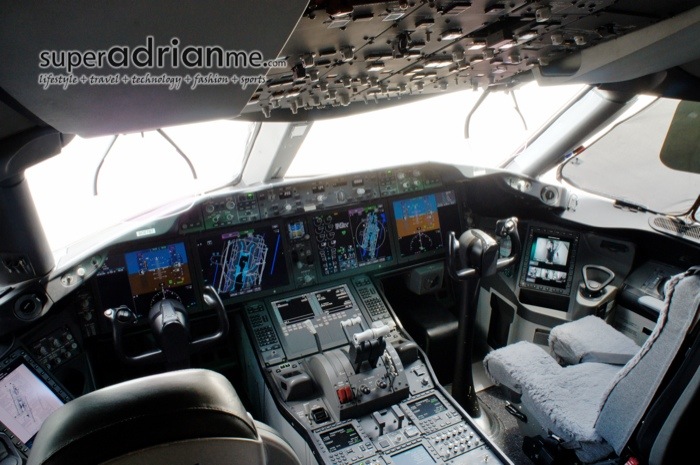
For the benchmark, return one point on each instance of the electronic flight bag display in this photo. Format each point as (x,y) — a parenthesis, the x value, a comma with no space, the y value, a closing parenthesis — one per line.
(243,261)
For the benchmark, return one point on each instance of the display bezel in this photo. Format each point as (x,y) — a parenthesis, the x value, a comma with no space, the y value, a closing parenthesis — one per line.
(12,362)
(448,223)
(106,300)
(284,248)
(360,268)
(528,263)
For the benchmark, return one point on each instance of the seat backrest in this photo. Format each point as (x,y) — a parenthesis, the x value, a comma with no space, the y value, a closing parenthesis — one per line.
(634,387)
(181,417)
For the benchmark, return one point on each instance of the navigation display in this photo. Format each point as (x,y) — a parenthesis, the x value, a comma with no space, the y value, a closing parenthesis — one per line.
(422,222)
(340,438)
(150,274)
(25,401)
(245,261)
(550,260)
(353,238)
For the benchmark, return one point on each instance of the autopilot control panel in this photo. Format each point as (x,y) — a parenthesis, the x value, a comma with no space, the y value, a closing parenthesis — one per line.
(354,386)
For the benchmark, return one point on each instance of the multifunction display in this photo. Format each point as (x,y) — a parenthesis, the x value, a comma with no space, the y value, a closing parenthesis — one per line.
(427,407)
(151,274)
(422,222)
(243,261)
(349,239)
(549,259)
(340,438)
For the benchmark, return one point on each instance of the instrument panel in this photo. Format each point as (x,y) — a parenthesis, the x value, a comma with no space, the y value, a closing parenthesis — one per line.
(268,242)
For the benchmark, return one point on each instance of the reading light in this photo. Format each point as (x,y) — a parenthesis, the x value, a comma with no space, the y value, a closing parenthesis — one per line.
(438,62)
(451,34)
(375,66)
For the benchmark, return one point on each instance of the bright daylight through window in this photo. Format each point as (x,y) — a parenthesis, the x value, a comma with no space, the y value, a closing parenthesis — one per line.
(140,172)
(143,171)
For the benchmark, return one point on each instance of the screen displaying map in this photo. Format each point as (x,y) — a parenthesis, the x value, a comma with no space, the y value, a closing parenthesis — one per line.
(243,261)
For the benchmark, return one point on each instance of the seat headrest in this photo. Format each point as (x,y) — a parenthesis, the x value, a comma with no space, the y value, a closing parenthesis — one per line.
(158,409)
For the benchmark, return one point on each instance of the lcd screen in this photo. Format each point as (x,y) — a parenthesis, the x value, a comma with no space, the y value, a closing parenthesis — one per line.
(422,222)
(416,456)
(351,239)
(294,310)
(550,260)
(427,407)
(340,438)
(25,402)
(243,261)
(335,299)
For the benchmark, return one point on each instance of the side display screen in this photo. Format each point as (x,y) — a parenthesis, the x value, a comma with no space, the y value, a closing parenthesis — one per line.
(549,263)
(422,222)
(351,239)
(151,274)
(26,399)
(243,262)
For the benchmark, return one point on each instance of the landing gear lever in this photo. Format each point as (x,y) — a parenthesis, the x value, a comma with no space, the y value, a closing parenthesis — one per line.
(472,257)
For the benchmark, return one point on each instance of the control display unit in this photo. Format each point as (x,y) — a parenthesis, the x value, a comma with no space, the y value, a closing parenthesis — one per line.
(349,239)
(324,309)
(427,407)
(245,261)
(150,274)
(421,222)
(548,262)
(340,438)
(28,395)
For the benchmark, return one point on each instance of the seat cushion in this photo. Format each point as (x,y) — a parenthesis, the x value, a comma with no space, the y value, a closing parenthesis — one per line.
(590,339)
(565,400)
(137,414)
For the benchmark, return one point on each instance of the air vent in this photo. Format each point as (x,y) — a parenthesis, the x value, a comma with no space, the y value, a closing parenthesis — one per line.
(676,227)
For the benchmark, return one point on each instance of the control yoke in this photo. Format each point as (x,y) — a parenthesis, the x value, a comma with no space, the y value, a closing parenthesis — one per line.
(472,257)
(169,323)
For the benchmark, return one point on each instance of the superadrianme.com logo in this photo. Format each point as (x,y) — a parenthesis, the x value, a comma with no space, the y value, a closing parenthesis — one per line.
(145,64)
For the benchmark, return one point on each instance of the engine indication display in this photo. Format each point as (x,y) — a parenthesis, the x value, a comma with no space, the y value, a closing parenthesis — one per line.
(420,222)
(353,238)
(244,261)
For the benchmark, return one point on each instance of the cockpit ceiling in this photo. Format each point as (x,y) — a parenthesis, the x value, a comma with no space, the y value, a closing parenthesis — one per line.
(350,52)
(27,29)
(337,53)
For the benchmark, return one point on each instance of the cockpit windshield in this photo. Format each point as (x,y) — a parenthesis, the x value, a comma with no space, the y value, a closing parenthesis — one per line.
(99,182)
(646,159)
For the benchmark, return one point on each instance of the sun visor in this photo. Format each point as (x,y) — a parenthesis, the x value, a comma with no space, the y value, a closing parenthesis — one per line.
(96,68)
(682,144)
